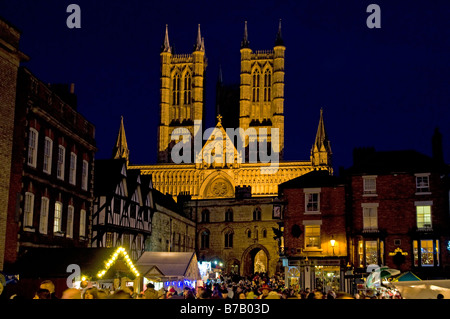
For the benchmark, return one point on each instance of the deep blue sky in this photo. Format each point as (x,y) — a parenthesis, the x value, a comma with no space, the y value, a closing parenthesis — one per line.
(387,88)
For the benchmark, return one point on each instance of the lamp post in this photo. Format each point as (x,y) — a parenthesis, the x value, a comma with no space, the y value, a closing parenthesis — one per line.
(332,243)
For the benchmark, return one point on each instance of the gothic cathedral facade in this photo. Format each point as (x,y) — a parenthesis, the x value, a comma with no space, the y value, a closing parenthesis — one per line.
(214,172)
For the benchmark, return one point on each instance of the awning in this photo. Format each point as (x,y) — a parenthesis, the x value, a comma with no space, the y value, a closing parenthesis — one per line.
(406,276)
(423,289)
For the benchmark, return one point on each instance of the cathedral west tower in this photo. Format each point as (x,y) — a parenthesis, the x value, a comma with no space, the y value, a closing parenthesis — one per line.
(262,90)
(182,93)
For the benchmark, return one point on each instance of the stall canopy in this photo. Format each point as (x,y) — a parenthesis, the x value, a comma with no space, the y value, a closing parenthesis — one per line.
(166,266)
(407,276)
(423,289)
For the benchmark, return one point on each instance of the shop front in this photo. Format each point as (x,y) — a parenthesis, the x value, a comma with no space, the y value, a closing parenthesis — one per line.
(315,273)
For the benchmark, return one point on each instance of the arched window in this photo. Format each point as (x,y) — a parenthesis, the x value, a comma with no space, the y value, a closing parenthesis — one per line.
(205,216)
(229,215)
(249,233)
(255,86)
(257,214)
(229,239)
(176,89)
(204,239)
(264,233)
(267,85)
(187,88)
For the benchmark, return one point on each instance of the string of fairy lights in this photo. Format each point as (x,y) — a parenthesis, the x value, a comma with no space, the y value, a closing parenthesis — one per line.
(112,260)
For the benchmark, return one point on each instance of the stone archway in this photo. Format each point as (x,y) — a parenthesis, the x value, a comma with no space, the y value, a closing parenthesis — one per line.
(255,259)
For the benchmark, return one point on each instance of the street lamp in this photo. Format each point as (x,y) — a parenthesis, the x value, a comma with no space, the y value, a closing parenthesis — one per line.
(332,243)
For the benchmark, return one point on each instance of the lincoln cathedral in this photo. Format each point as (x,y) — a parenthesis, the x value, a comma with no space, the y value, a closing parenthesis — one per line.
(231,198)
(260,107)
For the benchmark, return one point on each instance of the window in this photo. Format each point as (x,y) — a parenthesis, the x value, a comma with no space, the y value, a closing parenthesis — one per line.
(255,86)
(370,216)
(187,88)
(267,85)
(370,185)
(422,183)
(109,240)
(61,162)
(229,239)
(57,218)
(73,169)
(43,222)
(423,215)
(312,236)
(32,147)
(82,223)
(249,233)
(204,240)
(312,202)
(176,89)
(205,216)
(229,215)
(264,233)
(371,252)
(426,252)
(48,147)
(69,228)
(257,214)
(84,175)
(28,210)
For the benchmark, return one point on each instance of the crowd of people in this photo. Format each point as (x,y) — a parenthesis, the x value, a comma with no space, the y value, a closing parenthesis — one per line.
(258,286)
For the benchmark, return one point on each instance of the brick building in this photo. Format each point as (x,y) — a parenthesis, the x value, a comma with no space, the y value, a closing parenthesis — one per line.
(400,211)
(51,189)
(10,59)
(314,231)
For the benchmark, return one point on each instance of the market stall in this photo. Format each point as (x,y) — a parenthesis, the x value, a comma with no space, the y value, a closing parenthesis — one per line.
(423,289)
(165,269)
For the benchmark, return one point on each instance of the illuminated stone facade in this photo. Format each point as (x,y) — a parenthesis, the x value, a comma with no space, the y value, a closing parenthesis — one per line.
(261,106)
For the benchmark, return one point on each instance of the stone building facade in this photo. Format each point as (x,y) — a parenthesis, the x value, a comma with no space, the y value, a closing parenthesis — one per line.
(237,233)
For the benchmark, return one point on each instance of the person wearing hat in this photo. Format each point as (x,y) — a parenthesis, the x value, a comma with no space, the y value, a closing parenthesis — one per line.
(150,292)
(264,290)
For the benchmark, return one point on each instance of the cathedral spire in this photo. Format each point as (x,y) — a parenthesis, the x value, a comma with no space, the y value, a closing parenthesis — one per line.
(279,39)
(321,150)
(200,44)
(120,150)
(245,43)
(166,45)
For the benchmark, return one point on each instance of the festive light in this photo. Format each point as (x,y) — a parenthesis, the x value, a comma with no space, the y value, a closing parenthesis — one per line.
(113,259)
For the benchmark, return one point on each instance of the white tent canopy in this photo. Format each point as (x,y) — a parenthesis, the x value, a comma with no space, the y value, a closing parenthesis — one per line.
(423,289)
(168,265)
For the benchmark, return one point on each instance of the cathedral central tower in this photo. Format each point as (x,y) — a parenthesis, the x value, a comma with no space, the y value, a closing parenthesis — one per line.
(182,92)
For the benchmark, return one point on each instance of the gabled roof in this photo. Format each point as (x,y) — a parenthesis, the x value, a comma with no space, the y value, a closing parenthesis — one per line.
(316,178)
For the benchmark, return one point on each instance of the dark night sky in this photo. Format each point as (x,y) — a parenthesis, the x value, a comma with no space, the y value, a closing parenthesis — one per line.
(387,88)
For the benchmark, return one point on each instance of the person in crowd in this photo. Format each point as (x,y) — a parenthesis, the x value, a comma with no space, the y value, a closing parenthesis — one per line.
(50,286)
(150,292)
(264,290)
(91,293)
(71,293)
(42,294)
